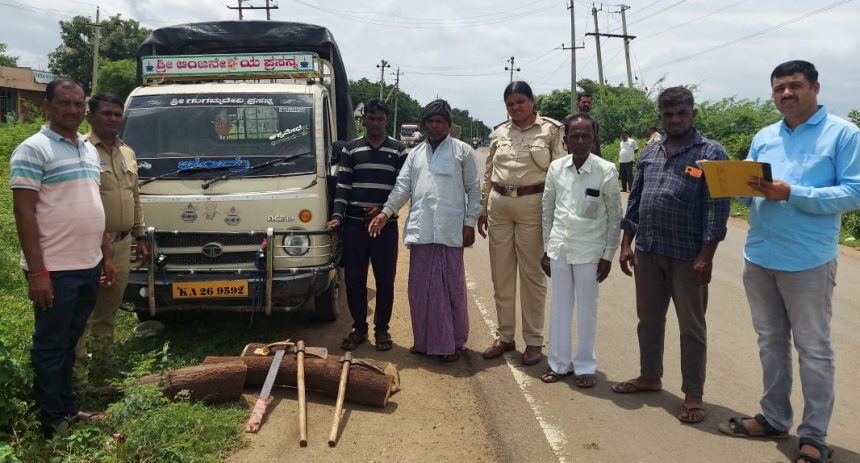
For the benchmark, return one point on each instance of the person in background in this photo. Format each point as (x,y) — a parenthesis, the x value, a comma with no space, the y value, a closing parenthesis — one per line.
(581,228)
(440,180)
(653,135)
(368,170)
(677,227)
(520,154)
(626,155)
(60,222)
(791,254)
(123,223)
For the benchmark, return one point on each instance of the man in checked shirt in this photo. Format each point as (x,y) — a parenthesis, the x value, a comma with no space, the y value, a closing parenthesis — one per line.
(677,226)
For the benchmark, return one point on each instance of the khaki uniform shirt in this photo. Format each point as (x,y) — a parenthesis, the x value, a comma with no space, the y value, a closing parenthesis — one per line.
(521,157)
(119,187)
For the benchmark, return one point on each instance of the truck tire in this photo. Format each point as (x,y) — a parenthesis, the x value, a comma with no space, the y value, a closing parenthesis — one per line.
(326,304)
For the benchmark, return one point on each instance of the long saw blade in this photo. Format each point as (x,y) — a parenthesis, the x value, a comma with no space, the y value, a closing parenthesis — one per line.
(256,418)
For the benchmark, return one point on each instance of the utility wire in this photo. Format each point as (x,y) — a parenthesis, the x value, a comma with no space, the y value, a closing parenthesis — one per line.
(686,23)
(741,39)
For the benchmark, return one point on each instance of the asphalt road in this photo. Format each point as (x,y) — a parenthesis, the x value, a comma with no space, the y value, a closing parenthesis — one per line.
(498,410)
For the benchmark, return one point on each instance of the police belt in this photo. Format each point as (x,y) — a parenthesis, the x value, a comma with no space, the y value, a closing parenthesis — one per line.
(517,191)
(119,236)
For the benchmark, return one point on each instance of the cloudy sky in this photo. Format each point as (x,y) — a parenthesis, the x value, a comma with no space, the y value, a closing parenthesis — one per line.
(458,50)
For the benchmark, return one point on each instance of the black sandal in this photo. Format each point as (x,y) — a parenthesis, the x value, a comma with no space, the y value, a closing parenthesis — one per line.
(826,452)
(735,427)
(451,357)
(552,377)
(353,340)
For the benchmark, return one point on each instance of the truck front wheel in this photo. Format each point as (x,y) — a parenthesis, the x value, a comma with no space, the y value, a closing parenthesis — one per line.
(326,304)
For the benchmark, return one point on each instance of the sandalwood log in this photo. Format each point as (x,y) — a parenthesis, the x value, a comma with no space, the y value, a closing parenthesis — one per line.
(365,386)
(214,383)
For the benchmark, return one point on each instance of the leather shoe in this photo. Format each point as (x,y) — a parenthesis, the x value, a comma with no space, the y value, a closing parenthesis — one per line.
(531,355)
(498,348)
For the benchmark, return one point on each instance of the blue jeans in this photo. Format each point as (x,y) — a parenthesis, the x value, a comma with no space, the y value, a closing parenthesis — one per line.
(796,306)
(55,335)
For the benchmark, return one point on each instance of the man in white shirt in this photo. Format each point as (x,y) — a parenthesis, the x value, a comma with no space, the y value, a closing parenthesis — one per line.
(440,180)
(625,159)
(582,230)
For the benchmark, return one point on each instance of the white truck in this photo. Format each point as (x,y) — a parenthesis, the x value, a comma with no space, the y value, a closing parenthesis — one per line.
(233,126)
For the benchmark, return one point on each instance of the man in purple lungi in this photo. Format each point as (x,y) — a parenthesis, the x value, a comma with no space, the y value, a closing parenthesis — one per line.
(440,179)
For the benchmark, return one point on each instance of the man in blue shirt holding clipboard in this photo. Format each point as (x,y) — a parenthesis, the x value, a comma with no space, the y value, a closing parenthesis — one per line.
(791,253)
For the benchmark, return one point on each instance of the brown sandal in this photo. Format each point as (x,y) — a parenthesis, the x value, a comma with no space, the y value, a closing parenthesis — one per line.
(383,342)
(552,377)
(353,340)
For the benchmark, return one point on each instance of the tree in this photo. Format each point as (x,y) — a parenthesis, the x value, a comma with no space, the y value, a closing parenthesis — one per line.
(734,122)
(119,40)
(7,60)
(555,105)
(409,109)
(117,77)
(854,116)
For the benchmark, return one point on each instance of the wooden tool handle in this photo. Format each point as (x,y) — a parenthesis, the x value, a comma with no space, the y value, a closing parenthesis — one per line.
(341,394)
(257,414)
(300,383)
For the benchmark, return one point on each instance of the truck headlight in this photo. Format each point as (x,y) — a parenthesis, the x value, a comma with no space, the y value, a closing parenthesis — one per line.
(297,245)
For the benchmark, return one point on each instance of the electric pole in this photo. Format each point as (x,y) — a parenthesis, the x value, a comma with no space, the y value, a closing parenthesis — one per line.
(596,34)
(624,36)
(396,97)
(512,68)
(384,64)
(573,47)
(98,27)
(626,45)
(268,9)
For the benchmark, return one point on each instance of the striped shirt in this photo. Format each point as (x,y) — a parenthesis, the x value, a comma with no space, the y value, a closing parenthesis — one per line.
(366,176)
(69,211)
(669,207)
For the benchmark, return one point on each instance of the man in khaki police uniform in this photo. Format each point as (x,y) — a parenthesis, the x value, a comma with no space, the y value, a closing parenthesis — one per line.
(520,154)
(123,223)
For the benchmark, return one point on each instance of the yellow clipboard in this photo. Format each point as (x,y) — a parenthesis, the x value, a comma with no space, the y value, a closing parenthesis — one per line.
(729,178)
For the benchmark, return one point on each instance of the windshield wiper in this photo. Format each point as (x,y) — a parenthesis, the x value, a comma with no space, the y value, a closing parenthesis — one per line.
(186,170)
(261,165)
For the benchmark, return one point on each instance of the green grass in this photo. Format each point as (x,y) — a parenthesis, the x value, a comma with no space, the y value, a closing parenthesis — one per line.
(154,429)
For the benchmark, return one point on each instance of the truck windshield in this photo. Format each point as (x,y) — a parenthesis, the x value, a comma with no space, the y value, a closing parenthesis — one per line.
(197,133)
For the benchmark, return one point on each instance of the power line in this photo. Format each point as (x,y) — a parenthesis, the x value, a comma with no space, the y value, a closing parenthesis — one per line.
(427,24)
(469,20)
(746,37)
(687,23)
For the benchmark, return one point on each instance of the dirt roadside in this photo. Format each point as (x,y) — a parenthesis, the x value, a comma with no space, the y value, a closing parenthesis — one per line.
(435,417)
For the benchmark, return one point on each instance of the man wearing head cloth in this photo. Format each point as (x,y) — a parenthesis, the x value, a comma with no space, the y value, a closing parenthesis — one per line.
(440,180)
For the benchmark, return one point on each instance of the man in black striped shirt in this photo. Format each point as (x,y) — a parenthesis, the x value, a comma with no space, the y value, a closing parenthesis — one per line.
(368,170)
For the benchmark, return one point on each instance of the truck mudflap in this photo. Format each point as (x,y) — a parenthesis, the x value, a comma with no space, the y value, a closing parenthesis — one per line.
(266,282)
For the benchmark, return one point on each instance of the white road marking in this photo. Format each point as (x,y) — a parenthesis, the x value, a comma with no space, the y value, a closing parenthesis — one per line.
(554,435)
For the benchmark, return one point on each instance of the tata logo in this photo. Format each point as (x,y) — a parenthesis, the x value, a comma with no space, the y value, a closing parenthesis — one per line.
(212,250)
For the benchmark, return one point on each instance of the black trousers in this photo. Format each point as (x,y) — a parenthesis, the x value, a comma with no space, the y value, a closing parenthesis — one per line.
(360,251)
(626,175)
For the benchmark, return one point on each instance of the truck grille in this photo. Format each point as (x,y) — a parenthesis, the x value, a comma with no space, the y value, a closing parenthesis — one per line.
(172,240)
(195,260)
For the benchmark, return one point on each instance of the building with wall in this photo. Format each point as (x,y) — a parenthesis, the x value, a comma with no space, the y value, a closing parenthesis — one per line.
(19,85)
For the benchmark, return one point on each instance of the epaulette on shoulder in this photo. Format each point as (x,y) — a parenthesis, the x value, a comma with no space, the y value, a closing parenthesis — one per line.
(500,124)
(552,121)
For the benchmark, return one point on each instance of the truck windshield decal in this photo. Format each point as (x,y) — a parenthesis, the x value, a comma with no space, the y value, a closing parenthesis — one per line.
(232,165)
(196,133)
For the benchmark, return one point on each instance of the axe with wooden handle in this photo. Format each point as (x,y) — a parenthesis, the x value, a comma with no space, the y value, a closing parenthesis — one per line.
(341,394)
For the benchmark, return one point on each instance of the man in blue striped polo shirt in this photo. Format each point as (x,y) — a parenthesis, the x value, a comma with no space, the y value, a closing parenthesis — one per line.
(368,170)
(60,220)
